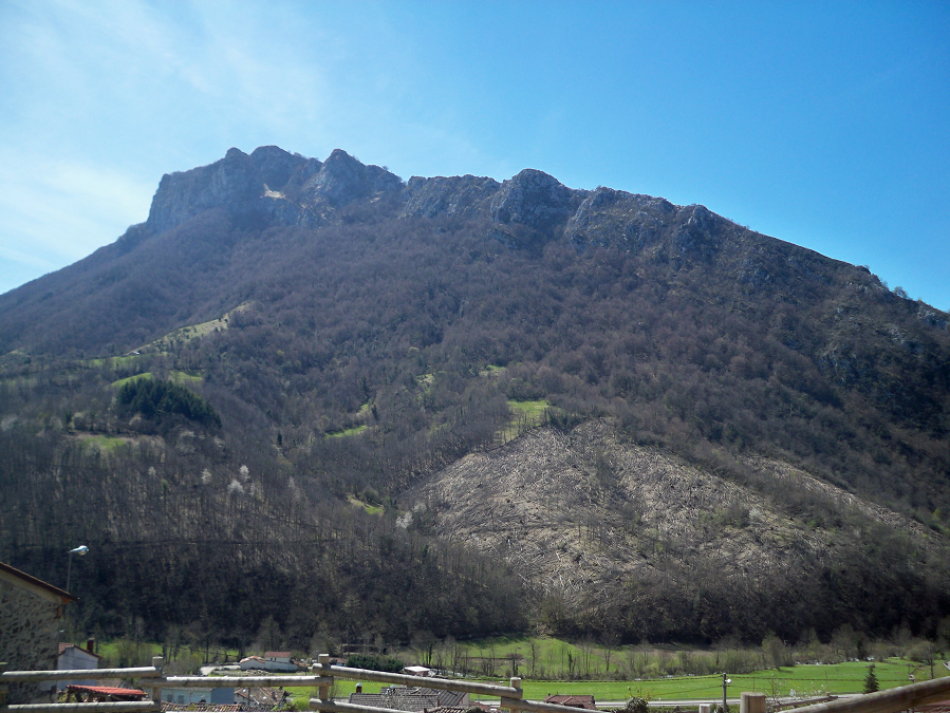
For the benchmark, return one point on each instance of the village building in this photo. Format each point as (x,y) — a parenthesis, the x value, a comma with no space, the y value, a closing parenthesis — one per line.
(404,698)
(31,613)
(261,698)
(279,661)
(585,702)
(418,671)
(199,696)
(76,658)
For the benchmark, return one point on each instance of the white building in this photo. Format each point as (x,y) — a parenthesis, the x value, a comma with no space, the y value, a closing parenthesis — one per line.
(193,696)
(76,658)
(270,661)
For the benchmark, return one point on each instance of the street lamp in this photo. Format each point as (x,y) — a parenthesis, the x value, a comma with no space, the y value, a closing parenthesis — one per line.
(81,550)
(724,682)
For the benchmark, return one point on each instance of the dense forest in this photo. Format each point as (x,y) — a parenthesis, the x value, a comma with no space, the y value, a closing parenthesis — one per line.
(203,402)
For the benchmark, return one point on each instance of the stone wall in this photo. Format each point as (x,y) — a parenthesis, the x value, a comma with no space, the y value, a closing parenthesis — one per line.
(29,638)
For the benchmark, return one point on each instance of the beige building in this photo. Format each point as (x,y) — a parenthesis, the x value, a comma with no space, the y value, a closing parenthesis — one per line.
(31,613)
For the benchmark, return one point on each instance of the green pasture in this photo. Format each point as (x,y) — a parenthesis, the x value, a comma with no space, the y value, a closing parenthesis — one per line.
(370,509)
(178,377)
(527,413)
(183,377)
(114,362)
(345,433)
(804,680)
(129,379)
(104,444)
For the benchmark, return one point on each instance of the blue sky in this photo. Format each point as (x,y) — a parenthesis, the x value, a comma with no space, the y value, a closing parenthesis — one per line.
(826,124)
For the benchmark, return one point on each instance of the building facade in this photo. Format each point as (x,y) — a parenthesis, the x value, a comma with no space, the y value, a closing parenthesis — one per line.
(31,613)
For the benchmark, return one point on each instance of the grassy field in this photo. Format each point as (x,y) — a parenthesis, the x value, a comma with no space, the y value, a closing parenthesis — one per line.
(371,509)
(346,433)
(113,362)
(128,380)
(524,413)
(804,680)
(192,331)
(105,444)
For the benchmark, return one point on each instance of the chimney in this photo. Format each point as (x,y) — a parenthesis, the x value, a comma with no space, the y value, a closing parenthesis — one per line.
(91,646)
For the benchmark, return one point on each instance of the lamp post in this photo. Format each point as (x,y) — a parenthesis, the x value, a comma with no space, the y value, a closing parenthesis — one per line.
(81,550)
(724,682)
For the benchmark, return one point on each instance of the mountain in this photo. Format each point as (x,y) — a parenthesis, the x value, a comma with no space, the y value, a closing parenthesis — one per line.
(632,418)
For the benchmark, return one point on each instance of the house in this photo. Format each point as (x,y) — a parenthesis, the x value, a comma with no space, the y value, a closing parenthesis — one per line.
(584,701)
(76,658)
(404,698)
(31,611)
(270,661)
(199,695)
(257,699)
(418,671)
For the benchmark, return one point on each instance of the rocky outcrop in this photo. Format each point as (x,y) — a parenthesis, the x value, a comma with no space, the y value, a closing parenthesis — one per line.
(230,183)
(609,218)
(342,179)
(462,196)
(699,235)
(270,182)
(535,200)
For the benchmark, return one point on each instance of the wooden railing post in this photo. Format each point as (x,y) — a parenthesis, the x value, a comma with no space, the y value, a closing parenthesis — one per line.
(323,662)
(4,688)
(752,702)
(512,702)
(158,662)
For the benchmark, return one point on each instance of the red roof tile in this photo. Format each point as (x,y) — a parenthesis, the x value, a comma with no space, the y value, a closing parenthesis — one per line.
(124,693)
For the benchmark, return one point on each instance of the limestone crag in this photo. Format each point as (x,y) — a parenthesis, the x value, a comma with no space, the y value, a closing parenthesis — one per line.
(536,200)
(616,218)
(342,179)
(285,188)
(233,182)
(463,196)
(272,186)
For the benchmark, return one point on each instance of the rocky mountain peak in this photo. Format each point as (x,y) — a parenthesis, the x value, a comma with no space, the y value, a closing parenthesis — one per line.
(534,199)
(458,195)
(342,179)
(269,181)
(232,183)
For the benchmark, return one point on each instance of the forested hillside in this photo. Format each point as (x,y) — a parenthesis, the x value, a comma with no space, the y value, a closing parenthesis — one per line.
(348,337)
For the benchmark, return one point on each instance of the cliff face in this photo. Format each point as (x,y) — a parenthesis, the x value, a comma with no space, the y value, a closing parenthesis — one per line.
(283,188)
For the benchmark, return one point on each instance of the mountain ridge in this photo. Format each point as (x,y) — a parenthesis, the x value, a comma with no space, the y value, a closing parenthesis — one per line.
(273,187)
(388,336)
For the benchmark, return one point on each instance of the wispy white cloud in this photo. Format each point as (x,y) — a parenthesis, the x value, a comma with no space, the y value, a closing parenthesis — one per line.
(61,210)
